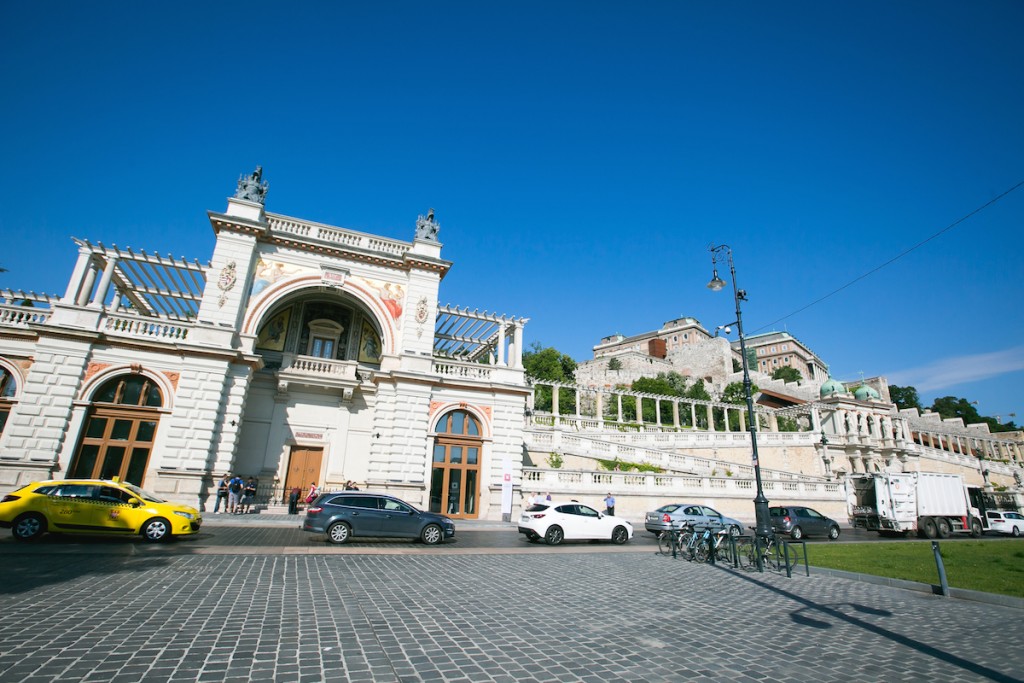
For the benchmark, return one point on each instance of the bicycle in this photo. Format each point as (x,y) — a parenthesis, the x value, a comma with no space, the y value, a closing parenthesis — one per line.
(713,541)
(675,540)
(767,547)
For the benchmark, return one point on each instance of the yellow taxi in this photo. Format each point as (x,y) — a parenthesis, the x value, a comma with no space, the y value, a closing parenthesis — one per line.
(92,506)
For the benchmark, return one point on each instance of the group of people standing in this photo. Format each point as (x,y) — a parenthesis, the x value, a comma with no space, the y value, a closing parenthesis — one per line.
(236,494)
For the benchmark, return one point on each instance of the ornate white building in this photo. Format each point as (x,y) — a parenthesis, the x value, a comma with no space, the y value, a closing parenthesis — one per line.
(300,353)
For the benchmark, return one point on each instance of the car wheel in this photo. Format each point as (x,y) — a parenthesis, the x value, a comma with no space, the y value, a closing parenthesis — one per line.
(1015,532)
(976,530)
(554,536)
(28,527)
(797,533)
(338,533)
(942,529)
(734,530)
(156,530)
(833,532)
(928,527)
(432,534)
(620,535)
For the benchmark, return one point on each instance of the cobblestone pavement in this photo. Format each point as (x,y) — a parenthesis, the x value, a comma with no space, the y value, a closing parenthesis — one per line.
(113,616)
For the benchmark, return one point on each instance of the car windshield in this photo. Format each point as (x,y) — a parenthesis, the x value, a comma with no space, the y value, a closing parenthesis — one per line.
(537,507)
(669,508)
(144,495)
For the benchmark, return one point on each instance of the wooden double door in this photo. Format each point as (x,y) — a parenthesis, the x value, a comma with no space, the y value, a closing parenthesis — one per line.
(304,465)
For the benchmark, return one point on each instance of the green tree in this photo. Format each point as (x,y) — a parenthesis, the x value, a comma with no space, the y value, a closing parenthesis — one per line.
(697,391)
(733,393)
(951,407)
(615,364)
(554,366)
(787,373)
(905,397)
(548,364)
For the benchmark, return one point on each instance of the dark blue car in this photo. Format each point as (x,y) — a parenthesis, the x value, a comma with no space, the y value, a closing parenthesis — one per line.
(345,514)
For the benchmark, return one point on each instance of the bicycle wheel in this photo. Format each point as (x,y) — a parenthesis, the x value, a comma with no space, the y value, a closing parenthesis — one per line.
(701,551)
(773,556)
(723,553)
(665,540)
(747,555)
(686,541)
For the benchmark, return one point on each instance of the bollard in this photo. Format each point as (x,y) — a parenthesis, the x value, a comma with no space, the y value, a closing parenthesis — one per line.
(943,584)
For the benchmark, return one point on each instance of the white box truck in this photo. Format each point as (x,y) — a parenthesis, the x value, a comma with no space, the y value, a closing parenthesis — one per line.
(934,505)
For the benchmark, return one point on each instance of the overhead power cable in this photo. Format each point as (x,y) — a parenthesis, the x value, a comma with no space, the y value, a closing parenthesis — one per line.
(894,258)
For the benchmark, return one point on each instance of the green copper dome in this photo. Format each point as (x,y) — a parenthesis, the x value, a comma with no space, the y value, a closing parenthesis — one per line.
(866,393)
(831,387)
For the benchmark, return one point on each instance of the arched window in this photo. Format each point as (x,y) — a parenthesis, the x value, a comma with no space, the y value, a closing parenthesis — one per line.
(8,390)
(119,430)
(455,472)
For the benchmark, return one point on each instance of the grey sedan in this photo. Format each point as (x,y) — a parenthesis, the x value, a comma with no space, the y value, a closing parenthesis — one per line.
(799,521)
(674,515)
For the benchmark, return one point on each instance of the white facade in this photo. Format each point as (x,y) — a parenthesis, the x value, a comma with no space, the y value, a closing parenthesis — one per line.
(301,353)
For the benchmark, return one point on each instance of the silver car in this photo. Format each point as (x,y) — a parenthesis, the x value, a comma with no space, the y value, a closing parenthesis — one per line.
(674,515)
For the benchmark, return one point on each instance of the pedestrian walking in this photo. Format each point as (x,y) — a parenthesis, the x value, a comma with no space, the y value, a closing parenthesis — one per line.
(609,505)
(222,494)
(235,488)
(293,501)
(248,495)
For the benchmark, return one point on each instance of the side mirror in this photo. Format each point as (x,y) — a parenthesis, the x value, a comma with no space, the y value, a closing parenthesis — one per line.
(135,503)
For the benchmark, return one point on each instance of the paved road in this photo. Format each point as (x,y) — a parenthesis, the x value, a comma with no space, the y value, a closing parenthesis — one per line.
(123,610)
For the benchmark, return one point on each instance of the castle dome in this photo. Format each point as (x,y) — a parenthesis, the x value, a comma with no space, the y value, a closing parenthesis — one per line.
(831,387)
(866,393)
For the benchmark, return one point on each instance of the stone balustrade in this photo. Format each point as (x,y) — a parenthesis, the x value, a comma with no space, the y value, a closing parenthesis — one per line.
(312,367)
(22,316)
(597,483)
(147,328)
(339,236)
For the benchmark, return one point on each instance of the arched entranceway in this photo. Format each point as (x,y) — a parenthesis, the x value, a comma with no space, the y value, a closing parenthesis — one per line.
(119,431)
(455,471)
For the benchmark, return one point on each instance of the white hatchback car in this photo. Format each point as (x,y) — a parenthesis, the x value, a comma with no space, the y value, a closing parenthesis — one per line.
(555,522)
(1005,522)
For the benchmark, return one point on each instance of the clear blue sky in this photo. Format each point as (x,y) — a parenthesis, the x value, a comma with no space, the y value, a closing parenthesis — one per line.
(580,157)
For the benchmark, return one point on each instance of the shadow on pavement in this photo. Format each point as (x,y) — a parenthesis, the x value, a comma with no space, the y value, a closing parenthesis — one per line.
(801,616)
(55,559)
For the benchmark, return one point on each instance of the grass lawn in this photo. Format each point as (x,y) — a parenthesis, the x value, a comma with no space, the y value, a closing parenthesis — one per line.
(992,566)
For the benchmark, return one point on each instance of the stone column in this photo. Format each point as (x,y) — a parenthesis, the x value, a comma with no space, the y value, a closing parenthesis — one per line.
(101,292)
(502,332)
(554,404)
(675,414)
(711,419)
(639,409)
(517,340)
(87,282)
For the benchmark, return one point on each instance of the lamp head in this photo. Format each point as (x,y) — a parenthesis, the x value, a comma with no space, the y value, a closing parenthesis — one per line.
(717,283)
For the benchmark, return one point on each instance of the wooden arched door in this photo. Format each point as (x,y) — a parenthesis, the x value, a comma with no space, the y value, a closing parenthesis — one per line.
(455,468)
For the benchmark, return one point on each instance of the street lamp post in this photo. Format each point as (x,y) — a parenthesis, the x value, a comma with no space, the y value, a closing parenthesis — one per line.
(763,527)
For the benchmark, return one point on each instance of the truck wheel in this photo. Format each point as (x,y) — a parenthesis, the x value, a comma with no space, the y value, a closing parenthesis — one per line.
(927,527)
(942,529)
(976,529)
